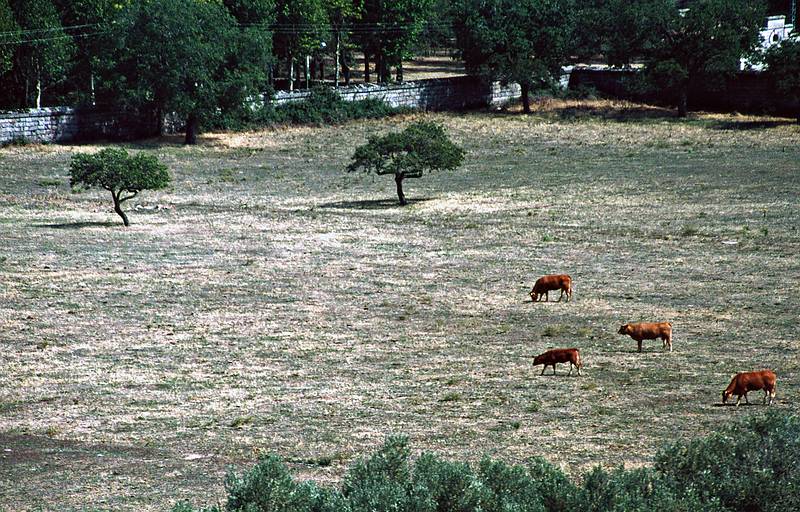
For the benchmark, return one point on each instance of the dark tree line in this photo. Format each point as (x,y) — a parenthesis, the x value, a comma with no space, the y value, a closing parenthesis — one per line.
(197,58)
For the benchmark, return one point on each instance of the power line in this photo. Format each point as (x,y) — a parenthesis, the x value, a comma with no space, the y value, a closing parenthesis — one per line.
(53,29)
(280,29)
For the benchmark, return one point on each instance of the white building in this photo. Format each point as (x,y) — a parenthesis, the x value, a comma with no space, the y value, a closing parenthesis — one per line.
(776,31)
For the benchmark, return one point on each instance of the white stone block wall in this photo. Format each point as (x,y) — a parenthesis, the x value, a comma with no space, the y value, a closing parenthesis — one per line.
(64,124)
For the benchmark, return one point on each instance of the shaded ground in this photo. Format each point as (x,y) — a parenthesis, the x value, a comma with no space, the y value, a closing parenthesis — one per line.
(272,302)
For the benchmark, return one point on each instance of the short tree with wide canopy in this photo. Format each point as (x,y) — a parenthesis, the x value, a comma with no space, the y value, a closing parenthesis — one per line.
(421,147)
(119,173)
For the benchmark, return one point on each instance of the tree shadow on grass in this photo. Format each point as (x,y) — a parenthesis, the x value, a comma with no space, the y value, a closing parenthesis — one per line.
(78,225)
(609,111)
(373,204)
(742,404)
(749,125)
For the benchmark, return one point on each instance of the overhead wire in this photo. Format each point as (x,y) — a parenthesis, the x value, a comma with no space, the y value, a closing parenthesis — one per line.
(275,28)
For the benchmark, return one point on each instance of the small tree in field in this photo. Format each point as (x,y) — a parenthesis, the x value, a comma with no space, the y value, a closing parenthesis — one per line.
(421,147)
(119,173)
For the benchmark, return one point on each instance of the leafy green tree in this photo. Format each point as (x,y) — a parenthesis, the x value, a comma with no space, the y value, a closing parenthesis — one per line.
(301,28)
(421,147)
(119,173)
(9,36)
(389,31)
(783,65)
(437,31)
(342,14)
(245,72)
(43,54)
(619,30)
(523,41)
(91,21)
(171,57)
(701,45)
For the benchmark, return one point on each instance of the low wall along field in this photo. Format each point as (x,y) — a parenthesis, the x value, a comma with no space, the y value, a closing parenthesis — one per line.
(271,302)
(64,124)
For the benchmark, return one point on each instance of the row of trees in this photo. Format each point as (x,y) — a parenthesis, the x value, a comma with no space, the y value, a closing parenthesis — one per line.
(200,57)
(58,48)
(528,41)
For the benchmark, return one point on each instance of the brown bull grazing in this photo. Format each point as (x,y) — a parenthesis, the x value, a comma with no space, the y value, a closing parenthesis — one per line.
(559,355)
(550,283)
(649,331)
(751,381)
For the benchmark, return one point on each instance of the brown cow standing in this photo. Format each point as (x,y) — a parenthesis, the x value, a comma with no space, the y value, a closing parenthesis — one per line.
(649,331)
(559,355)
(550,283)
(751,381)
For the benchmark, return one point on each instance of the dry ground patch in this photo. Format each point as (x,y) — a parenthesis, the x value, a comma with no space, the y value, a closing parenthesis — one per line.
(271,302)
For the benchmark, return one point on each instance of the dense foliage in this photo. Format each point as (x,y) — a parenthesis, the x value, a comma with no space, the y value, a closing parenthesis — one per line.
(783,64)
(701,45)
(752,465)
(421,147)
(120,173)
(523,41)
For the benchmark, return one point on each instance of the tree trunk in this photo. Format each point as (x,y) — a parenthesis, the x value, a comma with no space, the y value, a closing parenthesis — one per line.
(271,74)
(38,92)
(366,67)
(91,86)
(379,67)
(314,68)
(118,208)
(526,100)
(322,70)
(160,121)
(400,72)
(346,67)
(192,127)
(291,73)
(383,75)
(398,179)
(336,63)
(683,100)
(307,69)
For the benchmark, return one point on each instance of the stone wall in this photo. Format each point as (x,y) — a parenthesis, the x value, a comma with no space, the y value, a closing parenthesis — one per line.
(64,124)
(461,92)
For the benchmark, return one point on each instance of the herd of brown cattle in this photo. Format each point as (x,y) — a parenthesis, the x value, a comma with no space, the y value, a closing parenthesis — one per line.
(740,385)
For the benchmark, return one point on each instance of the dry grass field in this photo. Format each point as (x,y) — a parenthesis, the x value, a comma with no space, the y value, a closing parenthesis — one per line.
(271,302)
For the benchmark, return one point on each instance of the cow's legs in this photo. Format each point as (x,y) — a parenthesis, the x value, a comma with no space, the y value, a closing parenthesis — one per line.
(570,369)
(745,399)
(639,343)
(738,399)
(543,369)
(554,368)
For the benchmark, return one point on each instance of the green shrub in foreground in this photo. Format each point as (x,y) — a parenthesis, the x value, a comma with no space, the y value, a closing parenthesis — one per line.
(753,465)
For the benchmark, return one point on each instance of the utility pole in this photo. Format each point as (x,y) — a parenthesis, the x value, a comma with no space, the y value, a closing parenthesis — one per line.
(793,16)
